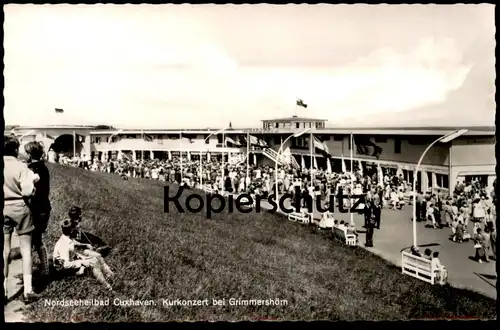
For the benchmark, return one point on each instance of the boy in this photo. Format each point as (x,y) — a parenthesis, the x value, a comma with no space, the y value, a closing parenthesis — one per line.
(67,256)
(81,236)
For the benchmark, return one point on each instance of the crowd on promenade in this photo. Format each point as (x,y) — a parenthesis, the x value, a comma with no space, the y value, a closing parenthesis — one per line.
(469,203)
(27,205)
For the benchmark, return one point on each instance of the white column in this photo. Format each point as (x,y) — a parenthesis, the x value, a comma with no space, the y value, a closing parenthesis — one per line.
(208,156)
(151,155)
(188,156)
(424,181)
(134,155)
(434,181)
(254,159)
(120,155)
(169,155)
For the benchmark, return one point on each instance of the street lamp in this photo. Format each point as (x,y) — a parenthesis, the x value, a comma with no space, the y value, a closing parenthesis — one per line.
(201,159)
(295,135)
(443,139)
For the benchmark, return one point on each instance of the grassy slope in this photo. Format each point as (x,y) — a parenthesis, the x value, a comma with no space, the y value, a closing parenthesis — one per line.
(247,256)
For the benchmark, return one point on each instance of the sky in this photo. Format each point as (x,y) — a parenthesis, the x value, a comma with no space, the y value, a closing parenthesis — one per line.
(203,66)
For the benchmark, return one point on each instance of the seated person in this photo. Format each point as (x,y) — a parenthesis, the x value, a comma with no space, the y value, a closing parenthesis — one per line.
(67,256)
(327,221)
(414,251)
(428,254)
(81,236)
(342,225)
(351,229)
(440,270)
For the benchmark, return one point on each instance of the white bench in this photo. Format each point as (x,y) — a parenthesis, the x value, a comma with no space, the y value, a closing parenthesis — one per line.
(208,190)
(341,234)
(302,217)
(418,267)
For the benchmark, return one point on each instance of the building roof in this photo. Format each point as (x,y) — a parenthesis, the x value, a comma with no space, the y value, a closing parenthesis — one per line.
(293,119)
(403,131)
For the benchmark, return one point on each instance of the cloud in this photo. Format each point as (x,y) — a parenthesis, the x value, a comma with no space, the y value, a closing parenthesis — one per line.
(176,66)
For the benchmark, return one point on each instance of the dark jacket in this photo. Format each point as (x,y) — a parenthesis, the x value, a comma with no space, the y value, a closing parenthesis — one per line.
(40,202)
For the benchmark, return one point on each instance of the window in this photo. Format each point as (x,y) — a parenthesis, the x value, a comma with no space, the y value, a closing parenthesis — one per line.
(97,139)
(446,183)
(219,139)
(429,179)
(207,140)
(318,125)
(397,146)
(380,139)
(276,139)
(297,125)
(277,126)
(338,137)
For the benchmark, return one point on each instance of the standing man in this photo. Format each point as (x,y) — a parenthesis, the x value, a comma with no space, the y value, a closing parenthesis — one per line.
(40,204)
(18,187)
(376,210)
(369,232)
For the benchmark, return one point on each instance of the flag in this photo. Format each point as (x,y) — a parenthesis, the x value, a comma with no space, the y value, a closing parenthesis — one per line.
(321,145)
(58,110)
(147,137)
(256,141)
(301,103)
(228,139)
(363,142)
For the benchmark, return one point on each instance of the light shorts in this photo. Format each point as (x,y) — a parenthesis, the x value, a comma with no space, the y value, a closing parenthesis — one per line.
(17,216)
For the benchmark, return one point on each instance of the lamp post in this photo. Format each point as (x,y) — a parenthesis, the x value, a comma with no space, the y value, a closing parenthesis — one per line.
(443,139)
(201,158)
(296,135)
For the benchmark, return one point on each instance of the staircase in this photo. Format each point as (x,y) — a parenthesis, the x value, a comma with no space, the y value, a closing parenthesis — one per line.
(273,155)
(282,159)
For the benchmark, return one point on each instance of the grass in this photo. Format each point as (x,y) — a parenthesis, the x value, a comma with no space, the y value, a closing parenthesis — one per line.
(186,256)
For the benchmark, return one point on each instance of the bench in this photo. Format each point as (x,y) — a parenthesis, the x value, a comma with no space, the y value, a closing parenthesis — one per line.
(302,217)
(419,267)
(208,190)
(341,234)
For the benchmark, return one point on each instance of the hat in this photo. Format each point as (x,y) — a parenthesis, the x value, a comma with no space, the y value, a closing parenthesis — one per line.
(66,223)
(75,212)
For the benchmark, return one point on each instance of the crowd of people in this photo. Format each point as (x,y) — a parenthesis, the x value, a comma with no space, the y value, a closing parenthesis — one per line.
(27,204)
(470,202)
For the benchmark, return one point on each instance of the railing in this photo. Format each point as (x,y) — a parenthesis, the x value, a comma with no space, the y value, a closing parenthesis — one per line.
(273,155)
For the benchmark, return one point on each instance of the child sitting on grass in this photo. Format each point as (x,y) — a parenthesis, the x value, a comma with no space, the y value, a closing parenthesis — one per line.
(81,236)
(67,256)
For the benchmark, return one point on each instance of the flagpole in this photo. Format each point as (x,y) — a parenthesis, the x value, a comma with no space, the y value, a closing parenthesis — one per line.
(180,153)
(74,144)
(201,169)
(223,146)
(352,183)
(248,159)
(312,164)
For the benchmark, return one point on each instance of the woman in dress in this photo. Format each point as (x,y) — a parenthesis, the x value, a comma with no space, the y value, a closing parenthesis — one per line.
(479,245)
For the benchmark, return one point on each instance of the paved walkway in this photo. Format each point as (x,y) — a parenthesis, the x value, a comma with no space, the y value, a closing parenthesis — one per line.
(13,309)
(396,234)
